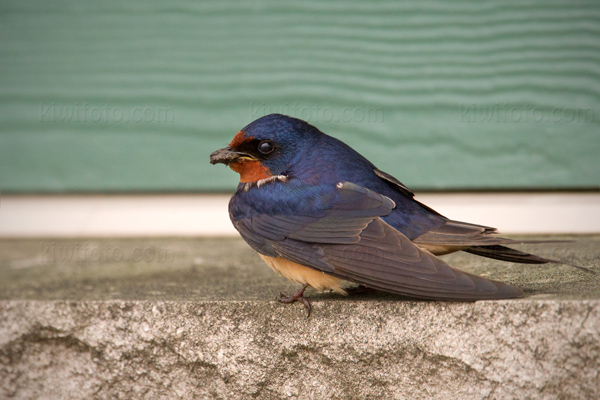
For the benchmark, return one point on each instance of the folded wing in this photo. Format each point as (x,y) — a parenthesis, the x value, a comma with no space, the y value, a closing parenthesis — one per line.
(349,240)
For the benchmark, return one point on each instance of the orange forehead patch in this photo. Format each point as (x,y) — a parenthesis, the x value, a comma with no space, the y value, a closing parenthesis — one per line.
(250,171)
(238,139)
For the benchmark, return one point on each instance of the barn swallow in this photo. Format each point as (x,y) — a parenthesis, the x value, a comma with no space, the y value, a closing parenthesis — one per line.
(321,215)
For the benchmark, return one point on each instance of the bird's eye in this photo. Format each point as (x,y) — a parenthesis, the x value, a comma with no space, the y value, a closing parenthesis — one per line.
(266,147)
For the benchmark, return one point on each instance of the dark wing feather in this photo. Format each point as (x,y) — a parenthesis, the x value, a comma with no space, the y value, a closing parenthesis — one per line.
(507,254)
(399,186)
(476,239)
(351,242)
(456,233)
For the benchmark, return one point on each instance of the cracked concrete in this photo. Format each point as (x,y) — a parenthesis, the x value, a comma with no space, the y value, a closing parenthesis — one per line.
(204,324)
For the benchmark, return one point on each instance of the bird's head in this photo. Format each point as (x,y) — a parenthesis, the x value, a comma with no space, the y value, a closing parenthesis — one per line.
(266,147)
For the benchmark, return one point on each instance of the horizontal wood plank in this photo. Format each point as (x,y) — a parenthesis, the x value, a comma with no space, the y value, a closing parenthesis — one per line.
(112,96)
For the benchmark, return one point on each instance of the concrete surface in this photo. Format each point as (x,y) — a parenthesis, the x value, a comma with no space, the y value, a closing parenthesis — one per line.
(196,318)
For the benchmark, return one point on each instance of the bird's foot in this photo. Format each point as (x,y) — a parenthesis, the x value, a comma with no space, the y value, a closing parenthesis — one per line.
(299,296)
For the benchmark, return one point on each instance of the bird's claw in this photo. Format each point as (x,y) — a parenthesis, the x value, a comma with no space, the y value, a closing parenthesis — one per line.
(299,296)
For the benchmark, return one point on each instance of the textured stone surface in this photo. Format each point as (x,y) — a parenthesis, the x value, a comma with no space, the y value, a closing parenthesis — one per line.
(203,324)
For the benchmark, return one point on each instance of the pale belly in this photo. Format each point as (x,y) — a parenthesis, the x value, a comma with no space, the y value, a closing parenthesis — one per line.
(301,274)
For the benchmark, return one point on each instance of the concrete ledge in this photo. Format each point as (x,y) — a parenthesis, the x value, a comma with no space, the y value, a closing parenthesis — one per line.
(143,349)
(203,324)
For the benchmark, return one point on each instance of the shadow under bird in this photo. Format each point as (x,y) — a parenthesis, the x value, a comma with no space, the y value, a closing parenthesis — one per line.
(320,214)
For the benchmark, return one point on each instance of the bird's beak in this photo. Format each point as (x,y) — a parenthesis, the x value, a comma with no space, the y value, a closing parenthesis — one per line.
(228,155)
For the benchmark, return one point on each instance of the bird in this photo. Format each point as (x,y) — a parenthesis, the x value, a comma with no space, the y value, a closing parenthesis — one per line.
(323,216)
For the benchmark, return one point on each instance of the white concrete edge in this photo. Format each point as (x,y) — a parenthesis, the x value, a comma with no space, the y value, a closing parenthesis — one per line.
(56,216)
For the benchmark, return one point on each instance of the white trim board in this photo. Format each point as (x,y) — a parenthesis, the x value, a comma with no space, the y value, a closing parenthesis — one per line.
(23,216)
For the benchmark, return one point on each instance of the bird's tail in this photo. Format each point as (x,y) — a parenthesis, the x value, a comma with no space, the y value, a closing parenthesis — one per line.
(498,252)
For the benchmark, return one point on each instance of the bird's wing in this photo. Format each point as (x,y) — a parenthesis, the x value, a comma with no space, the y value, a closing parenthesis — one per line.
(451,236)
(349,240)
(460,234)
(399,186)
(476,239)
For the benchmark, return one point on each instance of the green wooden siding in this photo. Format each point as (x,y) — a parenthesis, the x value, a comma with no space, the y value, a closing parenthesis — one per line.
(133,96)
